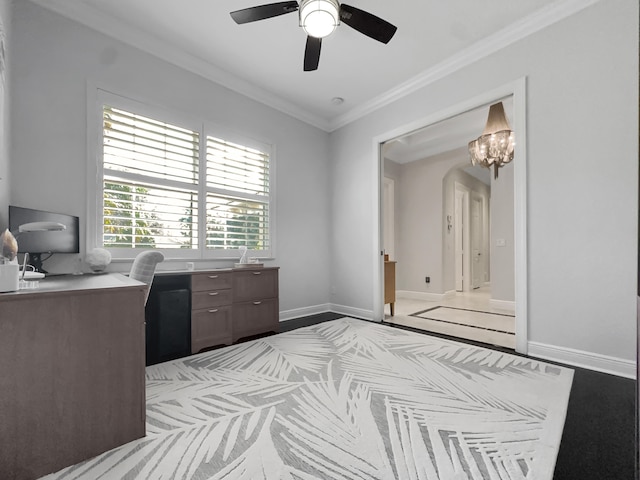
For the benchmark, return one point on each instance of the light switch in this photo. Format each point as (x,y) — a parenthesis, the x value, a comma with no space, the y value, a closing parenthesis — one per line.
(501,242)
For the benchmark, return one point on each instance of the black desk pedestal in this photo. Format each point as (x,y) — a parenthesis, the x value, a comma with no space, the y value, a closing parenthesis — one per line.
(168,319)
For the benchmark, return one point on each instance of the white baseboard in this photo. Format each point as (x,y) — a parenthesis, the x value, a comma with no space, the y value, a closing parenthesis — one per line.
(429,297)
(352,312)
(579,358)
(506,305)
(304,312)
(324,308)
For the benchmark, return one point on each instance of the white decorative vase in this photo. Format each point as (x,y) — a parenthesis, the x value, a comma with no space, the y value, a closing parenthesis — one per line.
(98,260)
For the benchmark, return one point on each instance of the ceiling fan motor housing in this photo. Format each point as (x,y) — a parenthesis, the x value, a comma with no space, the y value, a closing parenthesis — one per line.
(319,18)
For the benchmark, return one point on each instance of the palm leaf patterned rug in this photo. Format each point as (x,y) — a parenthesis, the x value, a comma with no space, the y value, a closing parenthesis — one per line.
(345,399)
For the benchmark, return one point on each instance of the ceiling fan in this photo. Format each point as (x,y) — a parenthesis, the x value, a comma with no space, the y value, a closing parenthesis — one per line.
(320,18)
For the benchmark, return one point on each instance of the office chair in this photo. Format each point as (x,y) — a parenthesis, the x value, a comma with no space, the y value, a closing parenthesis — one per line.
(144,268)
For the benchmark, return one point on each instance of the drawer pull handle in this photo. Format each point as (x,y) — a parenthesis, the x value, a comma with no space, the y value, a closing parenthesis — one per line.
(257,273)
(257,303)
(213,276)
(213,294)
(215,310)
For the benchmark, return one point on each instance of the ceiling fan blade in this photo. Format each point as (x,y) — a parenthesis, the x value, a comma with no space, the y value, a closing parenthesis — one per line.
(263,12)
(312,53)
(366,23)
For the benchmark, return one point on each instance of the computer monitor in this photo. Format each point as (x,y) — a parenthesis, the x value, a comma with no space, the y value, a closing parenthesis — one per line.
(37,243)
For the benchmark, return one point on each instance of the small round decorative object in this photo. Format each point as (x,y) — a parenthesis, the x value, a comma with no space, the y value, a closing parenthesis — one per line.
(98,260)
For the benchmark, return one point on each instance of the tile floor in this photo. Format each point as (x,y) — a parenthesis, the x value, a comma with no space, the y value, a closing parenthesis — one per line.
(478,300)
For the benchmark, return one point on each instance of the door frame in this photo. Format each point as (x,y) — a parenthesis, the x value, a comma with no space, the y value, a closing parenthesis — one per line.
(517,89)
(462,234)
(389,214)
(475,235)
(481,266)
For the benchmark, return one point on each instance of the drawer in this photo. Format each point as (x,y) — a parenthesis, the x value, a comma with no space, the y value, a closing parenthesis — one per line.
(211,281)
(255,285)
(210,327)
(213,298)
(250,318)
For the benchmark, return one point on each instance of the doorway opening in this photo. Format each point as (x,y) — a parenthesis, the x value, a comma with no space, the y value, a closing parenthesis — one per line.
(461,280)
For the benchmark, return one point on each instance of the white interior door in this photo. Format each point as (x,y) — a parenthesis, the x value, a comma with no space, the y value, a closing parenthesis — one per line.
(477,234)
(486,240)
(388,217)
(458,233)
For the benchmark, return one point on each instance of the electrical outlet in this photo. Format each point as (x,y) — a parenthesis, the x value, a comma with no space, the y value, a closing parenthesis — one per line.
(427,279)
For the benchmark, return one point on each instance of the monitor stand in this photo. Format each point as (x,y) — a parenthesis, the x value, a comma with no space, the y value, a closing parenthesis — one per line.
(35,260)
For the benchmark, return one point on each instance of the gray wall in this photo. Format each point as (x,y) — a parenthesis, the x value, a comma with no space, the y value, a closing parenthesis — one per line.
(502,258)
(419,217)
(54,61)
(582,258)
(424,196)
(5,132)
(582,90)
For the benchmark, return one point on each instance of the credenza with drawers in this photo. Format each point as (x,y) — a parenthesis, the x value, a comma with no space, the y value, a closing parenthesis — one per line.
(206,308)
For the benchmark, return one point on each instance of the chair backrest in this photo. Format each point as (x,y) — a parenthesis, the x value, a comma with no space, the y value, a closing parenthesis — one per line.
(144,268)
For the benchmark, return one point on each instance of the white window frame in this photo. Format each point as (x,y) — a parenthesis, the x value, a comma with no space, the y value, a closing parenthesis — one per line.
(97,98)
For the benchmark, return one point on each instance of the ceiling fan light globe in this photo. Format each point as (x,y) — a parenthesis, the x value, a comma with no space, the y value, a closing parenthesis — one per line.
(319,18)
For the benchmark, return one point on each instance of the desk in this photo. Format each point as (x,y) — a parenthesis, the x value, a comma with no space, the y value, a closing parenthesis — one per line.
(71,372)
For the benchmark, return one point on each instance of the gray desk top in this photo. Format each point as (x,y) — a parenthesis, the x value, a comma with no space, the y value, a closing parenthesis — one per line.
(76,283)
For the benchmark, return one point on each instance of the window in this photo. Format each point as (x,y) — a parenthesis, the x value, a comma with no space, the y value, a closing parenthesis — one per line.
(150,182)
(237,196)
(186,191)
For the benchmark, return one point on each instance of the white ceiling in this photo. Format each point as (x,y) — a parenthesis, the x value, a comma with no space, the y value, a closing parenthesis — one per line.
(450,134)
(263,59)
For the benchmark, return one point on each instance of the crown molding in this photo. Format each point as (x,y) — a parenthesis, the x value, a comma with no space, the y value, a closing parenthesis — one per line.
(516,31)
(162,49)
(158,47)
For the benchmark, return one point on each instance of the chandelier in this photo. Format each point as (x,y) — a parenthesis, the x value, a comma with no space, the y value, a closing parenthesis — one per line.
(495,146)
(319,18)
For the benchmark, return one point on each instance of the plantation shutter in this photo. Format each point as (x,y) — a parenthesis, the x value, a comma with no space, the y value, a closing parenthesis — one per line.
(150,182)
(237,199)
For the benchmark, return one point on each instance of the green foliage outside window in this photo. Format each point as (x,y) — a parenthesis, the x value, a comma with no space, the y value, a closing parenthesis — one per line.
(126,225)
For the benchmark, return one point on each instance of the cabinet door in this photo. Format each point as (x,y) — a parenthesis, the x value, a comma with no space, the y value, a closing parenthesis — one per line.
(210,327)
(172,320)
(255,285)
(251,318)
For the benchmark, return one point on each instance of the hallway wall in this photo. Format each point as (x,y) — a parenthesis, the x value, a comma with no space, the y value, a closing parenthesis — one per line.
(502,228)
(424,194)
(578,310)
